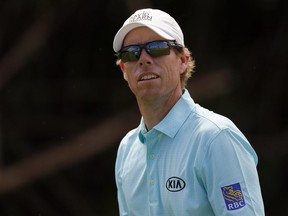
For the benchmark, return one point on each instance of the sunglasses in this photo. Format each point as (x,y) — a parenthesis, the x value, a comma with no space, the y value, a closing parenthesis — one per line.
(153,48)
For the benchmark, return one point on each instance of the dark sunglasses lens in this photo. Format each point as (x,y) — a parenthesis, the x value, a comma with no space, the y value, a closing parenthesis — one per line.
(154,49)
(130,53)
(158,48)
(128,56)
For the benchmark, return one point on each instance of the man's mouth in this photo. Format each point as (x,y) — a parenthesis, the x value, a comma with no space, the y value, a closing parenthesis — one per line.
(148,77)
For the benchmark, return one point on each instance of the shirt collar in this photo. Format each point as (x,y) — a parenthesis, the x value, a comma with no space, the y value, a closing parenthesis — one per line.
(175,118)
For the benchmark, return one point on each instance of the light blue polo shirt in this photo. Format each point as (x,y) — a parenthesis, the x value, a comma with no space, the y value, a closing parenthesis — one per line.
(194,162)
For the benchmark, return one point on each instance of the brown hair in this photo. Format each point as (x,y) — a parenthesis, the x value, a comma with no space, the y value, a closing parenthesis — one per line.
(189,70)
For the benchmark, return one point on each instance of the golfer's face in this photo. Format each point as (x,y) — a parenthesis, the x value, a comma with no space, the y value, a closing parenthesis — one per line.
(150,77)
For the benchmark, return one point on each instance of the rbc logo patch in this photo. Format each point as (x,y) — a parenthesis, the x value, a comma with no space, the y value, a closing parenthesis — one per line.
(233,196)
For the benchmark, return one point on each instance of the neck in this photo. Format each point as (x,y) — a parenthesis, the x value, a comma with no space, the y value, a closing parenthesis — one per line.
(154,110)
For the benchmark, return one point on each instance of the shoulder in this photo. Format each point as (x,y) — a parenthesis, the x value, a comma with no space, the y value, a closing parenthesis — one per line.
(215,131)
(222,136)
(205,123)
(127,141)
(204,119)
(129,137)
(124,147)
(211,118)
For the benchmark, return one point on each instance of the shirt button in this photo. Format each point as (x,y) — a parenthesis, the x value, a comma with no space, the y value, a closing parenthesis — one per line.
(152,181)
(152,156)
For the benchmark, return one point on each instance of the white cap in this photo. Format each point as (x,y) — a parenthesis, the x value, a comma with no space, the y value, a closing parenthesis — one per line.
(158,21)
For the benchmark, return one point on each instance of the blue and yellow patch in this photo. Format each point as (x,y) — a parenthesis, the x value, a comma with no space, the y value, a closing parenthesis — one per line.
(233,196)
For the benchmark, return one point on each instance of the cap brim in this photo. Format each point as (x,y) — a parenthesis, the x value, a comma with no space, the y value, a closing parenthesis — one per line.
(121,34)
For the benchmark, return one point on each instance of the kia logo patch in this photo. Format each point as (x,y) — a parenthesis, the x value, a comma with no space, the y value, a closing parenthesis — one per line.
(175,184)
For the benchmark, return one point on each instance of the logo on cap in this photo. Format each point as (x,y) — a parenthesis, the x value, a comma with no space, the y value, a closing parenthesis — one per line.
(140,17)
(233,196)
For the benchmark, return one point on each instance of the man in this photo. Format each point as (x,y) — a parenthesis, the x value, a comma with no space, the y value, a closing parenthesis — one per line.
(182,159)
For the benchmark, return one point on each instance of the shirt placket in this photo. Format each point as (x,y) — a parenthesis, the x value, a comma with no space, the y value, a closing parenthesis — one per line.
(152,175)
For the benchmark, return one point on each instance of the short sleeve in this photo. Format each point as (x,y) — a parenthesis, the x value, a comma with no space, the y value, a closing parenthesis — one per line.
(230,176)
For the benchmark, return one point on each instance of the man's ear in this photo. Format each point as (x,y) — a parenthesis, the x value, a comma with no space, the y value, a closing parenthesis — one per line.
(184,62)
(122,66)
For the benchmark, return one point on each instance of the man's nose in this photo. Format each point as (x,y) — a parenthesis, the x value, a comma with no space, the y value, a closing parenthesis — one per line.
(144,58)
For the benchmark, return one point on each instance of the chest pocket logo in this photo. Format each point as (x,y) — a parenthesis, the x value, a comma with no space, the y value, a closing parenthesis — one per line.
(175,184)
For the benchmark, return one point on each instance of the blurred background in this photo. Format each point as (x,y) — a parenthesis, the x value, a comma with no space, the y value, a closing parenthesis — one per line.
(64,105)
